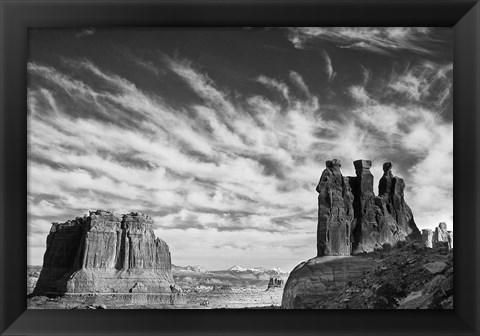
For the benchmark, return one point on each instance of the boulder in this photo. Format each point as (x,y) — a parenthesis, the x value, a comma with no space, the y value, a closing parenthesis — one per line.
(435,267)
(176,289)
(103,253)
(138,288)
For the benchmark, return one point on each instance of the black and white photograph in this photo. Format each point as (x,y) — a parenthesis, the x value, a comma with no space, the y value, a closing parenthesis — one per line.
(240,168)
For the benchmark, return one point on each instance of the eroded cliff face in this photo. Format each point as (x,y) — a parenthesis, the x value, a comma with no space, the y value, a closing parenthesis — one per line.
(103,253)
(351,219)
(318,279)
(335,212)
(391,189)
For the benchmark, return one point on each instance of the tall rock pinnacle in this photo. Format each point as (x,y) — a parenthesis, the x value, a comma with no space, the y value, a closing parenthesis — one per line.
(391,190)
(335,211)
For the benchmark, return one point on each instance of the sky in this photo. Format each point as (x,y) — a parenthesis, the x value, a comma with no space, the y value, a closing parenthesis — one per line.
(221,134)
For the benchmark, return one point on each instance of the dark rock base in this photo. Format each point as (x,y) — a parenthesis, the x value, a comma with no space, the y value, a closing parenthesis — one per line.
(313,282)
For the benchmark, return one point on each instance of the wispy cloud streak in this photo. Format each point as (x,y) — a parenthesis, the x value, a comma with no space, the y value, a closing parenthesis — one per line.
(376,40)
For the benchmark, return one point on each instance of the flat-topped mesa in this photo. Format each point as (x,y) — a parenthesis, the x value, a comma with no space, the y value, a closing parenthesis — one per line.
(351,219)
(103,253)
(335,211)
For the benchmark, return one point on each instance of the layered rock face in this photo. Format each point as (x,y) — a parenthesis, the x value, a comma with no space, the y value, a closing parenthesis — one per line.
(103,253)
(335,212)
(351,220)
(315,281)
(390,189)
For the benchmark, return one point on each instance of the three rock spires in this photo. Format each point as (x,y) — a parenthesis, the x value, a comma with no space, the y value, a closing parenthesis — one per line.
(351,219)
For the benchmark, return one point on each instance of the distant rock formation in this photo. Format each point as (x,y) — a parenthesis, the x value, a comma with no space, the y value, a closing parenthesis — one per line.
(351,220)
(275,283)
(441,237)
(103,253)
(221,289)
(427,236)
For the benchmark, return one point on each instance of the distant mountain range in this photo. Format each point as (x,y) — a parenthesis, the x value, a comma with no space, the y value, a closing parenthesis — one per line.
(196,268)
(237,276)
(236,268)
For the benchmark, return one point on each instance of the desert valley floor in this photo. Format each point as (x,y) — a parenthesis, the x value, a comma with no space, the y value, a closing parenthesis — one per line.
(237,288)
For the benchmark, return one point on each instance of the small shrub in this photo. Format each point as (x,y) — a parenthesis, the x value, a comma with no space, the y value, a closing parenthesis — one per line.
(387,247)
(387,296)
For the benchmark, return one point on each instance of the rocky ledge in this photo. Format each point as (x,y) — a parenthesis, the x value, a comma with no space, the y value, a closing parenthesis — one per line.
(409,276)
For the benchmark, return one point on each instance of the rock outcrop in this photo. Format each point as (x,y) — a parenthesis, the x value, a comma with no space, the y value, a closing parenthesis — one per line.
(221,289)
(319,279)
(275,283)
(335,212)
(442,236)
(427,236)
(390,189)
(103,253)
(404,278)
(351,221)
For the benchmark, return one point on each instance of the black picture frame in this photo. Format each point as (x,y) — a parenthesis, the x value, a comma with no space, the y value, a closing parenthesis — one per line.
(17,16)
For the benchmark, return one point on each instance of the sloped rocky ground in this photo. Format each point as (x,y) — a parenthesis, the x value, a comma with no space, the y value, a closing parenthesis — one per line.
(409,276)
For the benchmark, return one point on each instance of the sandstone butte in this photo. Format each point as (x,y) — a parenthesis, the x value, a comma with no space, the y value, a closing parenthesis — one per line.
(351,221)
(105,254)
